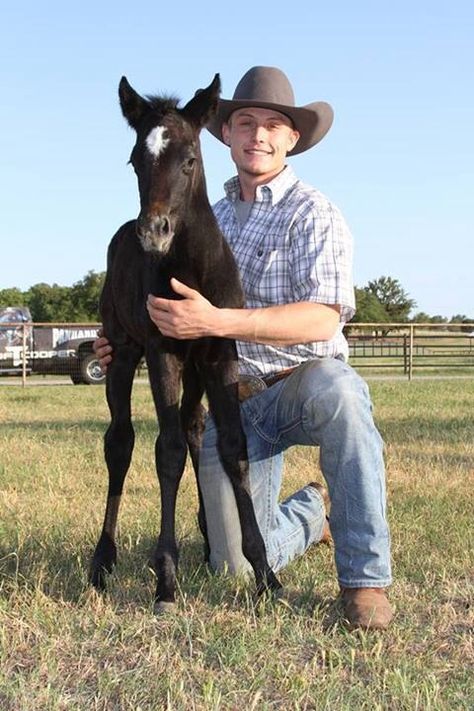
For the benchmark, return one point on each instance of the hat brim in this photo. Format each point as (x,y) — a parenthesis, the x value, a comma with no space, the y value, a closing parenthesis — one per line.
(312,121)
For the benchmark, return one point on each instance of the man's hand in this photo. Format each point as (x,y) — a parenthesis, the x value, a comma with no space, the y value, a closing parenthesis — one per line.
(191,317)
(103,351)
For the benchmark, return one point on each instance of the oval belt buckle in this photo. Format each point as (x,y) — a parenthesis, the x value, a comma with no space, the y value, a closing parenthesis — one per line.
(250,385)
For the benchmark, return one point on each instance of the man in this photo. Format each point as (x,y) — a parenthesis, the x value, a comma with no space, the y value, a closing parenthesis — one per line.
(294,252)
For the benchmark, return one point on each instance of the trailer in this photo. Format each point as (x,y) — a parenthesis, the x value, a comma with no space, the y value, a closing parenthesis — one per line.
(48,350)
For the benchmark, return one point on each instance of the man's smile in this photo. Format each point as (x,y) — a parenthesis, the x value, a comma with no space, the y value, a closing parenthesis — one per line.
(257,151)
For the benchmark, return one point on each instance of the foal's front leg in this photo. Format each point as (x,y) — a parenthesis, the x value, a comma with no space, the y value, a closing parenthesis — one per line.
(118,447)
(193,417)
(222,390)
(164,371)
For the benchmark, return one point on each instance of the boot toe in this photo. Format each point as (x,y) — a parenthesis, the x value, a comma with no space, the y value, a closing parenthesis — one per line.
(367,608)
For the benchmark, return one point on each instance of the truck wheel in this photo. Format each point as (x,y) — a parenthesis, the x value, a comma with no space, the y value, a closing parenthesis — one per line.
(91,373)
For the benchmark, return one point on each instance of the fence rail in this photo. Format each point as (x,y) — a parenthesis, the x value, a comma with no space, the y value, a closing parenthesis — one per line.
(412,347)
(393,348)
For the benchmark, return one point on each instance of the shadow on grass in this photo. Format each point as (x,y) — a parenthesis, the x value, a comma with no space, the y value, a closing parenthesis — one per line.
(60,572)
(144,426)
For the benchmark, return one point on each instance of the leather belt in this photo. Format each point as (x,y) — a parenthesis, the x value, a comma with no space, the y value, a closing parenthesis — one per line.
(250,385)
(281,375)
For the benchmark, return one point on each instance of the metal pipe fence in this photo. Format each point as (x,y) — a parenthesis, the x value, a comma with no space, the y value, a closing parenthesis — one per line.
(384,348)
(411,348)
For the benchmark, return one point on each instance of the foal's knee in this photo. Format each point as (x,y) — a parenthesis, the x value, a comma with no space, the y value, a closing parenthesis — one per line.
(231,448)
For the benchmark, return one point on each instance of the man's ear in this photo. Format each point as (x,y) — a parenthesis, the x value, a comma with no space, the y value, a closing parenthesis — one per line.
(293,140)
(226,133)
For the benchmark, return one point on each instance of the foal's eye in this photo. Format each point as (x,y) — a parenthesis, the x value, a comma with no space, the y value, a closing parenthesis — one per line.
(189,164)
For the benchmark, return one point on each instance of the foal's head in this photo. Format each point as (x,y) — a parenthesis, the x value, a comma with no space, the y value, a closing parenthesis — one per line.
(166,158)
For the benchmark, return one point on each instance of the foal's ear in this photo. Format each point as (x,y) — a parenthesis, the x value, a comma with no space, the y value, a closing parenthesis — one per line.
(203,105)
(132,104)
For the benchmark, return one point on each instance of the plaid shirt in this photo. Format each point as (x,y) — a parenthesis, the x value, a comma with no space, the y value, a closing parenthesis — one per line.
(294,246)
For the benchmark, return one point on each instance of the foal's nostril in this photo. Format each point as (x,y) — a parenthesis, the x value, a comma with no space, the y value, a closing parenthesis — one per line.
(165,227)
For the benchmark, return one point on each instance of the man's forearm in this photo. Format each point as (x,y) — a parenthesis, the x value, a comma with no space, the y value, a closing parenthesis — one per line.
(193,316)
(286,325)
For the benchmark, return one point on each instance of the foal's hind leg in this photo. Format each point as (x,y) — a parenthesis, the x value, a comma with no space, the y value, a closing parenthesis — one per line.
(118,447)
(221,387)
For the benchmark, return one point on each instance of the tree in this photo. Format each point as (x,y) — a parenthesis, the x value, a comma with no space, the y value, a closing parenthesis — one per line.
(49,303)
(421,317)
(393,297)
(458,322)
(12,297)
(368,308)
(85,295)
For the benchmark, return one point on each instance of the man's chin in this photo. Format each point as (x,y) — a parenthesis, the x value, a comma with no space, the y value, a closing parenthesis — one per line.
(258,169)
(261,172)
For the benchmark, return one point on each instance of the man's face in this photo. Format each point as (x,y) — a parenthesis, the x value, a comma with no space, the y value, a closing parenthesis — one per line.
(259,140)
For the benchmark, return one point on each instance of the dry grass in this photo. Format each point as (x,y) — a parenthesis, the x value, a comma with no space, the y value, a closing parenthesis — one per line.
(64,647)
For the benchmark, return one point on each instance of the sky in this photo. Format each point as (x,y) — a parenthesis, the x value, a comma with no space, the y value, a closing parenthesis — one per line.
(398,161)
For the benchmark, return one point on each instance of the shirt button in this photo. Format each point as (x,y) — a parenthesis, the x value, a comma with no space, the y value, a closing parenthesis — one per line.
(260,253)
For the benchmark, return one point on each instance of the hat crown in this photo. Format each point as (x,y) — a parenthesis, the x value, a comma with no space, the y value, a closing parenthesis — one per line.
(265,84)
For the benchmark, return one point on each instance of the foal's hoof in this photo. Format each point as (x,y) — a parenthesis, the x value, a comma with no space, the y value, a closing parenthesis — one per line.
(163,607)
(97,578)
(270,586)
(98,572)
(279,594)
(103,562)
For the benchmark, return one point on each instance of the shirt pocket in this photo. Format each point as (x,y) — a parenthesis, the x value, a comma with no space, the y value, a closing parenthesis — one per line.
(266,278)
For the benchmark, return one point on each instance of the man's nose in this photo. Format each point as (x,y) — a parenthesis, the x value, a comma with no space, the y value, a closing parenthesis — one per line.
(260,133)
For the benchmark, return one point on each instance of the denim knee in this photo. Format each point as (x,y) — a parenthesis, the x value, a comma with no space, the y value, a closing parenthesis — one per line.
(333,391)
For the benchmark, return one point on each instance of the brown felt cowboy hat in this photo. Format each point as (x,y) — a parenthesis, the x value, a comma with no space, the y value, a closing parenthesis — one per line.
(269,88)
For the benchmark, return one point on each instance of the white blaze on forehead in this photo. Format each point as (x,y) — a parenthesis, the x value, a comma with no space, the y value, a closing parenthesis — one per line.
(156,140)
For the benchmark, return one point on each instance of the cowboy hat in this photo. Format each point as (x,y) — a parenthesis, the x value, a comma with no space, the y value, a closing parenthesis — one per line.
(269,88)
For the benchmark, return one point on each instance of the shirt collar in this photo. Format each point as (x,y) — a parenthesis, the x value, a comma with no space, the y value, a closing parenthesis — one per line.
(271,192)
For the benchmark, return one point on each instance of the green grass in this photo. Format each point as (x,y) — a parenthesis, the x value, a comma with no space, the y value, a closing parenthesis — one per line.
(64,647)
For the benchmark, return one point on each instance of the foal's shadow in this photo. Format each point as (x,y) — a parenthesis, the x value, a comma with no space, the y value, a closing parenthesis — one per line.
(61,573)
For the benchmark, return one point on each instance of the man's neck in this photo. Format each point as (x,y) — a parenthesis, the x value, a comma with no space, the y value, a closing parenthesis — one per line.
(249,183)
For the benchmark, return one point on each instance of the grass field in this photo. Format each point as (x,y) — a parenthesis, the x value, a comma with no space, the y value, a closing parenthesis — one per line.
(64,647)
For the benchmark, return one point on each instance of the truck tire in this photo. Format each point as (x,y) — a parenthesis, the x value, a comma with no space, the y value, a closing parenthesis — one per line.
(91,373)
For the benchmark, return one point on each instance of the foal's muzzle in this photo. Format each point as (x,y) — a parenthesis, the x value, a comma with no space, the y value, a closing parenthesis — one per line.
(155,232)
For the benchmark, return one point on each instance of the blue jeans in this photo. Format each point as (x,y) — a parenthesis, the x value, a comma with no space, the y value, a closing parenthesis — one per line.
(322,403)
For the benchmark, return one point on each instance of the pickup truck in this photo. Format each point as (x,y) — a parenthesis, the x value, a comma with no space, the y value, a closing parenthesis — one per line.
(54,350)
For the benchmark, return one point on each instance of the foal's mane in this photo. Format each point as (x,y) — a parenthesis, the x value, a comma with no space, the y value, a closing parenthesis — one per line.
(162,103)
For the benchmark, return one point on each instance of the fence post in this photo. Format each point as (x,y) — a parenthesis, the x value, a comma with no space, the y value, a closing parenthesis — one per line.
(410,353)
(23,364)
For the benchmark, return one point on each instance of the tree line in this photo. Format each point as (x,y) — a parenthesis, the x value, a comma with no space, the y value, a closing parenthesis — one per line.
(78,303)
(383,300)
